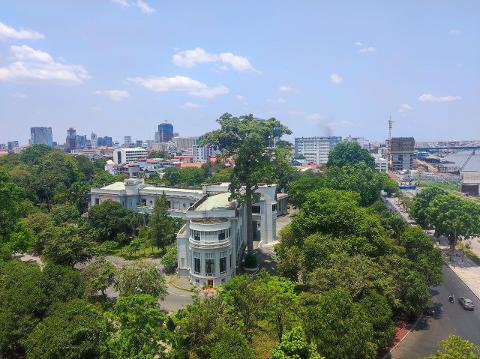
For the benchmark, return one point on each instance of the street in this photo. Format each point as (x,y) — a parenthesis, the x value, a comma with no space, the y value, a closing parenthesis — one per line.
(448,319)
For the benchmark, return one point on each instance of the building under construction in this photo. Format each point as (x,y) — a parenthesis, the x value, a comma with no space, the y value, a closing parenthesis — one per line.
(402,153)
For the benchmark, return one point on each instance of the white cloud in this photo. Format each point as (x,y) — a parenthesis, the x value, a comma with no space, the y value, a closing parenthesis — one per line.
(179,84)
(315,117)
(18,95)
(7,32)
(240,97)
(114,95)
(144,7)
(455,32)
(358,43)
(32,65)
(336,79)
(141,4)
(286,88)
(190,58)
(426,97)
(405,107)
(277,100)
(191,105)
(367,49)
(123,3)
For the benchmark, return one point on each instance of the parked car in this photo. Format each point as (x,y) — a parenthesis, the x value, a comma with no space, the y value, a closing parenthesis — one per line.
(466,303)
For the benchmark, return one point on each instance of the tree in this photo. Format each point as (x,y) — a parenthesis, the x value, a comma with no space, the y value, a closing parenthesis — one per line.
(34,154)
(141,277)
(61,283)
(349,153)
(161,231)
(456,347)
(420,250)
(244,302)
(42,226)
(358,178)
(339,327)
(23,303)
(68,246)
(281,306)
(109,219)
(294,345)
(379,315)
(62,213)
(73,330)
(140,331)
(338,213)
(454,217)
(11,199)
(231,344)
(169,259)
(299,188)
(390,186)
(249,142)
(99,274)
(188,177)
(422,203)
(199,324)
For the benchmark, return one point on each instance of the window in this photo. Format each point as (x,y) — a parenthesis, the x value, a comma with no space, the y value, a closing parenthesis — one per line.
(221,235)
(196,268)
(274,207)
(144,202)
(209,266)
(255,209)
(169,205)
(223,265)
(196,235)
(97,201)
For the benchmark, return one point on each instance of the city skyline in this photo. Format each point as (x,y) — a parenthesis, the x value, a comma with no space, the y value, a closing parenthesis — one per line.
(319,68)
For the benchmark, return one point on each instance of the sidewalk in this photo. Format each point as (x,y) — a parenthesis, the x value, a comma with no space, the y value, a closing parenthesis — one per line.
(467,270)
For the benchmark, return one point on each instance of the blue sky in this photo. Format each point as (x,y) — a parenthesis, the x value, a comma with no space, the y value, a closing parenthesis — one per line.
(120,67)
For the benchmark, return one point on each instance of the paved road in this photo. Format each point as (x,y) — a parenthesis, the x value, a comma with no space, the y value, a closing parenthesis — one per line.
(449,319)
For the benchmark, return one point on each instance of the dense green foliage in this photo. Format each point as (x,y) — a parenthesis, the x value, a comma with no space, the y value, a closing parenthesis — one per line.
(456,347)
(449,214)
(348,154)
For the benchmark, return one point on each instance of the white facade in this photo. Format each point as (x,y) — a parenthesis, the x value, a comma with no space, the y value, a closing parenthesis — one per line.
(381,163)
(126,155)
(203,153)
(315,149)
(184,144)
(211,244)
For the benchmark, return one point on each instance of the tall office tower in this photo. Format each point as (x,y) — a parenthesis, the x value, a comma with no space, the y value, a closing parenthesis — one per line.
(315,149)
(41,136)
(81,141)
(12,145)
(93,140)
(165,132)
(139,143)
(71,140)
(402,149)
(127,141)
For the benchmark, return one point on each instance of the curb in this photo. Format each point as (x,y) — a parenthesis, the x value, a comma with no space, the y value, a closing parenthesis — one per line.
(404,337)
(170,281)
(465,284)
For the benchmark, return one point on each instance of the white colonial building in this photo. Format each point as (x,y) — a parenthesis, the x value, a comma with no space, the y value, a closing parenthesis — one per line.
(211,244)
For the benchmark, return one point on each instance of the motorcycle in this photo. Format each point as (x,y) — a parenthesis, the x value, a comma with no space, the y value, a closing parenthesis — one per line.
(451,298)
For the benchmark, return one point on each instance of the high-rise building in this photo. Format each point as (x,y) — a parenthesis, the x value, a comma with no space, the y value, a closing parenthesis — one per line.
(41,136)
(139,143)
(71,140)
(165,132)
(127,141)
(12,146)
(402,149)
(184,144)
(315,149)
(105,141)
(203,153)
(93,140)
